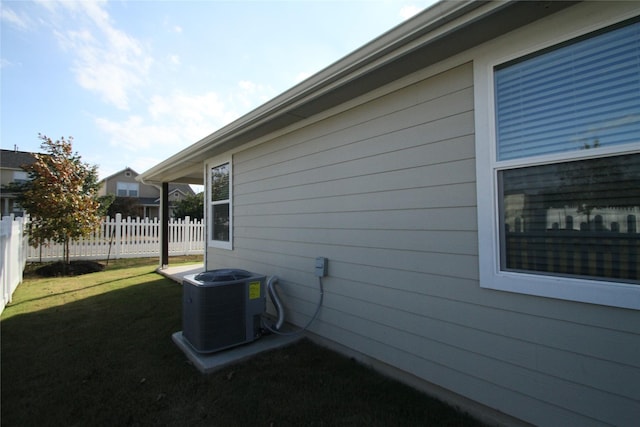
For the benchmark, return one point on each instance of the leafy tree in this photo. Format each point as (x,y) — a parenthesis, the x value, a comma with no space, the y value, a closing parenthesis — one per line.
(61,196)
(126,206)
(191,206)
(106,202)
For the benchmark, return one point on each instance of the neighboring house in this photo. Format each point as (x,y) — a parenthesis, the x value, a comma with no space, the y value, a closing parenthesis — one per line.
(146,197)
(472,176)
(11,171)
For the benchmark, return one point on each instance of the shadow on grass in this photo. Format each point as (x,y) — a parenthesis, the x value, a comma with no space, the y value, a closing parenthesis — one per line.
(109,360)
(71,291)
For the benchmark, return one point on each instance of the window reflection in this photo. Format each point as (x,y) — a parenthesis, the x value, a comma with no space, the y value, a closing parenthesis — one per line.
(220,182)
(575,218)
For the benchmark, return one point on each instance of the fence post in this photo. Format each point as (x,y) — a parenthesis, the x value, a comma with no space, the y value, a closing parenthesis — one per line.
(12,255)
(5,246)
(118,239)
(186,234)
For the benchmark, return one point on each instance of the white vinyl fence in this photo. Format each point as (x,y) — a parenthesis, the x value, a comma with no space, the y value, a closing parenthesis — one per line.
(13,254)
(128,238)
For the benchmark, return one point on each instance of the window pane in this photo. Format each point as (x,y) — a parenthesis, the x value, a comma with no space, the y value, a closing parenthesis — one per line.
(220,183)
(576,218)
(19,176)
(220,222)
(578,96)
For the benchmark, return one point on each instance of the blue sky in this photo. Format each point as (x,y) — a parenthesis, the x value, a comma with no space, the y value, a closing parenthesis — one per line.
(134,82)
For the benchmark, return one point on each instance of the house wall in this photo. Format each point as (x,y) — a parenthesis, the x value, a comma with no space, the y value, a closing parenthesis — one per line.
(7,200)
(6,176)
(385,189)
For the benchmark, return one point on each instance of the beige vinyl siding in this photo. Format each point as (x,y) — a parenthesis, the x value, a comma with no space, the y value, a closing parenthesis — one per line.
(386,191)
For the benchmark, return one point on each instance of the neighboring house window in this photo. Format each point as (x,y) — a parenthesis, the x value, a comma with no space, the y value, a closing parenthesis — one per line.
(220,211)
(17,208)
(127,189)
(20,176)
(559,190)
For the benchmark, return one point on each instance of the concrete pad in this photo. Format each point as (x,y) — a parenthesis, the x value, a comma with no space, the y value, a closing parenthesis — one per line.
(211,362)
(177,273)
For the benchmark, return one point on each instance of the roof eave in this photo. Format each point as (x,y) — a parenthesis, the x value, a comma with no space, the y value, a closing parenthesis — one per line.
(443,30)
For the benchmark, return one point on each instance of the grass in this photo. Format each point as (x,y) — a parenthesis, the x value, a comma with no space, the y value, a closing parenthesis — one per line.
(97,350)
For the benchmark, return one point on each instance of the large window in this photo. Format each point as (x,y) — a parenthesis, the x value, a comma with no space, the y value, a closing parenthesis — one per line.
(20,176)
(128,189)
(563,202)
(220,215)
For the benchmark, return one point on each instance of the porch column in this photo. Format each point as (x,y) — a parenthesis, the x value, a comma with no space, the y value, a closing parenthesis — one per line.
(164,220)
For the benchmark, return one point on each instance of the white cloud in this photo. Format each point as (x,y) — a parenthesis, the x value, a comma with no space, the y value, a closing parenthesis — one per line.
(250,95)
(107,60)
(190,112)
(134,134)
(173,122)
(302,76)
(247,85)
(11,17)
(4,63)
(179,119)
(174,59)
(142,163)
(407,12)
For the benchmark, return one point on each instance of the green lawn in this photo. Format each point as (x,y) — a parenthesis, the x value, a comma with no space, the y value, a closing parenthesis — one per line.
(97,350)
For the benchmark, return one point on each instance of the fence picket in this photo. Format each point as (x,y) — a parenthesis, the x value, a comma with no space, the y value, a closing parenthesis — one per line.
(13,240)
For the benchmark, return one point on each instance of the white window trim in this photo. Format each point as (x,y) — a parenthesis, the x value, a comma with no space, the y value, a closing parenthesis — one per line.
(514,46)
(218,161)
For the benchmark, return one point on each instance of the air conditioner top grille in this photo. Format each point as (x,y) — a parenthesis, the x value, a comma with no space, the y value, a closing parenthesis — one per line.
(223,275)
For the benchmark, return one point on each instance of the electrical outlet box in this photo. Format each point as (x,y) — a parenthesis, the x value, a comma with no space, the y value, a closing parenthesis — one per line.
(322,266)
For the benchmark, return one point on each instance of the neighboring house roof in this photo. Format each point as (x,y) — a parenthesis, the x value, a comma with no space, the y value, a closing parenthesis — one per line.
(118,173)
(177,188)
(183,188)
(150,201)
(13,159)
(441,31)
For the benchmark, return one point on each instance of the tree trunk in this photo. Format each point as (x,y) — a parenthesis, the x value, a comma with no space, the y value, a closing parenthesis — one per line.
(67,261)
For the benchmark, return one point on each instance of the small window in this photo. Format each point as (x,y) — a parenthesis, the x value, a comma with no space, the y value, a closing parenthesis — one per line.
(559,170)
(17,208)
(220,214)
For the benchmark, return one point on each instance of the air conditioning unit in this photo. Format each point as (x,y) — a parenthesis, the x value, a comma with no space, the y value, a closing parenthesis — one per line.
(222,308)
